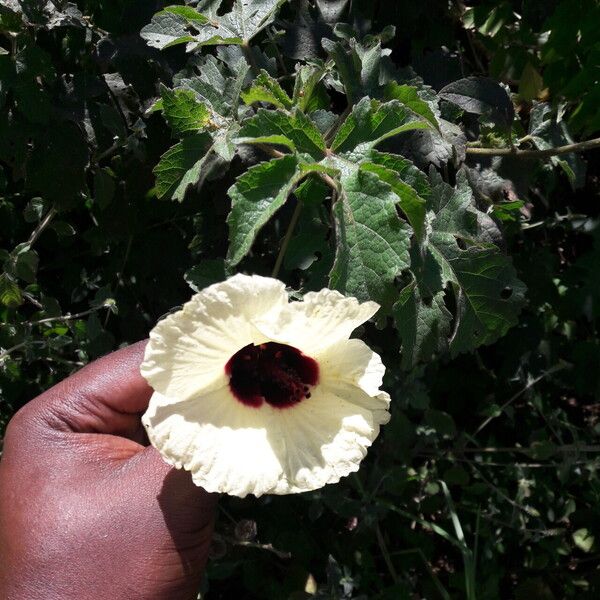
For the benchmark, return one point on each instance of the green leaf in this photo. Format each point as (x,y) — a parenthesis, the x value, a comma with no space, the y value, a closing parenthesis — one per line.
(166,29)
(181,166)
(487,293)
(371,241)
(266,89)
(308,78)
(489,296)
(104,187)
(190,14)
(371,122)
(183,112)
(441,421)
(10,294)
(255,197)
(358,67)
(217,85)
(410,202)
(422,323)
(408,95)
(481,96)
(26,265)
(179,25)
(205,273)
(406,170)
(299,131)
(583,539)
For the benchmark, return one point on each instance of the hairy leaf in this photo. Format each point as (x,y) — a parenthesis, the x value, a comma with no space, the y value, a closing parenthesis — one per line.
(358,67)
(371,241)
(299,131)
(181,166)
(423,324)
(266,89)
(481,96)
(183,112)
(255,197)
(10,294)
(457,256)
(371,122)
(408,95)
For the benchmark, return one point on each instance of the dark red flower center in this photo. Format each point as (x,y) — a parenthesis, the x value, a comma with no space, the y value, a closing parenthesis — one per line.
(274,373)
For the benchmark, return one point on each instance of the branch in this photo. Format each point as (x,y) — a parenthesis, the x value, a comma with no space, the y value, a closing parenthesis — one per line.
(568,149)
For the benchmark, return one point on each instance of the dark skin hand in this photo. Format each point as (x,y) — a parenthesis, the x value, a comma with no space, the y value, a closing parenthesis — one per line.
(87,510)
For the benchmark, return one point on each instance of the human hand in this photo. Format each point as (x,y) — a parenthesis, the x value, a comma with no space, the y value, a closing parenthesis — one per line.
(87,511)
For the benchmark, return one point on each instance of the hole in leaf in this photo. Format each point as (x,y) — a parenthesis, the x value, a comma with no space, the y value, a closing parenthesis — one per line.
(427,301)
(506,293)
(461,243)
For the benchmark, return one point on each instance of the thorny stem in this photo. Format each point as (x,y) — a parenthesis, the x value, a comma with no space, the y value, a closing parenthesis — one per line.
(568,149)
(286,240)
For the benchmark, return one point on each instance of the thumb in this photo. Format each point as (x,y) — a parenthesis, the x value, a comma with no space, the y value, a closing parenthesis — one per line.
(187,510)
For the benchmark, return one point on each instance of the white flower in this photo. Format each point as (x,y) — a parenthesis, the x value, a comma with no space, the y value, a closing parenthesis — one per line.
(255,394)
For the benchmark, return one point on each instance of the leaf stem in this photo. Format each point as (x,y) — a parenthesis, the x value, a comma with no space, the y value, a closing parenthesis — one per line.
(568,149)
(332,131)
(286,240)
(250,57)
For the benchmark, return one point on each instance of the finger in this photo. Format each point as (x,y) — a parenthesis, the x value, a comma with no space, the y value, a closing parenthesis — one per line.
(106,396)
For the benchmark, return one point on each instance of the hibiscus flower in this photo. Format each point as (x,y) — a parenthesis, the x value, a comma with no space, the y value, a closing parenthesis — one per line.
(255,394)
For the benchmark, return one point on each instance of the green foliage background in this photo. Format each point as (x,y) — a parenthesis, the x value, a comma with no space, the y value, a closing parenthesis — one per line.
(132,170)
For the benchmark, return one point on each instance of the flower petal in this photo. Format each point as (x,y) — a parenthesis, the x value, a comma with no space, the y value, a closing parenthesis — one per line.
(320,320)
(188,350)
(240,450)
(352,361)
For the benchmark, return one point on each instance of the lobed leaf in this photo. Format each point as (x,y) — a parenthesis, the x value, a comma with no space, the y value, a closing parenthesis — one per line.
(255,197)
(371,122)
(372,242)
(183,112)
(293,130)
(181,166)
(266,89)
(481,96)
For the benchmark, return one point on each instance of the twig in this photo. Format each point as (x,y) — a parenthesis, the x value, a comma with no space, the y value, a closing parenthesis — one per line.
(35,234)
(68,317)
(268,547)
(385,553)
(286,240)
(5,353)
(568,149)
(533,382)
